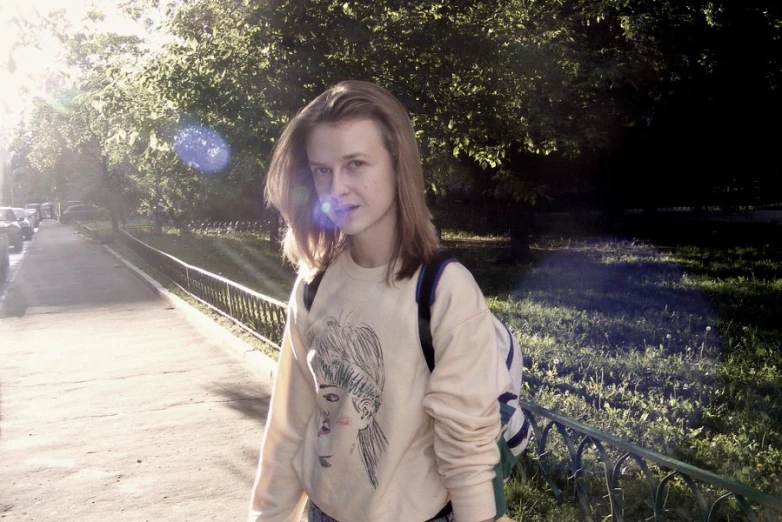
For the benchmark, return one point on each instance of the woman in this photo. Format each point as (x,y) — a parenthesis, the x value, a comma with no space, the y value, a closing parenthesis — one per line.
(357,423)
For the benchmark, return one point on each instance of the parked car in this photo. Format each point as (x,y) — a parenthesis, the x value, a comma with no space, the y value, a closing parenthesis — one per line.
(11,228)
(84,212)
(49,210)
(34,215)
(5,258)
(24,222)
(36,207)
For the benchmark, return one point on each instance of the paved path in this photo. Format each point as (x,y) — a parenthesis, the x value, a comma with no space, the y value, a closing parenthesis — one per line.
(115,404)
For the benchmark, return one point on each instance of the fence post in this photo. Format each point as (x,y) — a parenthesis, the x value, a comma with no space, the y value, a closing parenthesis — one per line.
(230,300)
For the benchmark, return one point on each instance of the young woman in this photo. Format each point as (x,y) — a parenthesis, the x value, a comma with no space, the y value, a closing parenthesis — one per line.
(357,423)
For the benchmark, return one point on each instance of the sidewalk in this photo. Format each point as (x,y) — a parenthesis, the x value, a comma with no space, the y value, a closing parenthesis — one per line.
(118,404)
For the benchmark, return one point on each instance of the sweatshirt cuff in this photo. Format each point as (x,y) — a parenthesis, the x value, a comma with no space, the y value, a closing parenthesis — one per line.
(473,503)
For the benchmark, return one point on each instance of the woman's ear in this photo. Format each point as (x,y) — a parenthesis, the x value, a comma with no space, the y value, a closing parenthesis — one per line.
(366,411)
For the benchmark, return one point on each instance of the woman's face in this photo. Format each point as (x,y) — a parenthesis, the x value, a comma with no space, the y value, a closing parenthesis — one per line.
(340,423)
(355,180)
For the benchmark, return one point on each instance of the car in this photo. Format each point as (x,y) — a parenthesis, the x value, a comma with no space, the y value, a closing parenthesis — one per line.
(84,212)
(34,208)
(5,259)
(49,210)
(27,227)
(34,215)
(9,226)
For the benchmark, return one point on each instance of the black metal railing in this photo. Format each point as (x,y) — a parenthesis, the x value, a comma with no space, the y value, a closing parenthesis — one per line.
(260,315)
(100,234)
(635,483)
(257,226)
(101,231)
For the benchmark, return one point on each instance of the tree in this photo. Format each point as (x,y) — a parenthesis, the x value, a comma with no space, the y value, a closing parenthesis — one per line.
(523,101)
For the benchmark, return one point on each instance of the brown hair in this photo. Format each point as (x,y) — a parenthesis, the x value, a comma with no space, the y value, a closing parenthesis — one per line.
(290,188)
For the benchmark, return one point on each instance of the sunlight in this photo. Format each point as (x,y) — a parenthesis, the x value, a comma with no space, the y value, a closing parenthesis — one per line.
(30,57)
(33,57)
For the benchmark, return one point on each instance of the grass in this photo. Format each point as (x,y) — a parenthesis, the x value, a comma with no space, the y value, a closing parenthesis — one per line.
(243,257)
(676,346)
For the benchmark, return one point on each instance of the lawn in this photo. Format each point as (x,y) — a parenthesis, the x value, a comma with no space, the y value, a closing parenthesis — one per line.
(672,345)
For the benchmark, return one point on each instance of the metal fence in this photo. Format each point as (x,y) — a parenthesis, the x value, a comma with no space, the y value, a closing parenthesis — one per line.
(609,478)
(257,226)
(99,234)
(613,479)
(260,315)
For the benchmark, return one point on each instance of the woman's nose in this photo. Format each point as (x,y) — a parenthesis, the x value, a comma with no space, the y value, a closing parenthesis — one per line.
(339,183)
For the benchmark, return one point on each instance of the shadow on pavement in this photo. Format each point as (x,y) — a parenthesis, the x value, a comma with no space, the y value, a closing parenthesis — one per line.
(251,401)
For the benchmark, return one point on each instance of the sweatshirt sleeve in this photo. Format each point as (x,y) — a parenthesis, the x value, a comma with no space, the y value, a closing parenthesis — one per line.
(462,394)
(277,493)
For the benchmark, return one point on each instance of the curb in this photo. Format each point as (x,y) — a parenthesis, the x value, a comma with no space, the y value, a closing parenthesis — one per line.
(260,363)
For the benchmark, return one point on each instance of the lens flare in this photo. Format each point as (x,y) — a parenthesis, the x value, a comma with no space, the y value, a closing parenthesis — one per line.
(62,101)
(202,149)
(320,215)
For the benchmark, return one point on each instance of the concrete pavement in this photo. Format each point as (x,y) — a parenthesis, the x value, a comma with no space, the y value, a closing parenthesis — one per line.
(115,402)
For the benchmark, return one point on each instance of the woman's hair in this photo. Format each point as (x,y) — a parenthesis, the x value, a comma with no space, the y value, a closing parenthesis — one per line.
(308,243)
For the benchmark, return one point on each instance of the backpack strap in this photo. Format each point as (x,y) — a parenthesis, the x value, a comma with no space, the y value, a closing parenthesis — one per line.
(424,296)
(311,288)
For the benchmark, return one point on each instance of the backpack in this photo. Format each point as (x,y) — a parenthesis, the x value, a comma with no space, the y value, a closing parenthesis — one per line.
(516,430)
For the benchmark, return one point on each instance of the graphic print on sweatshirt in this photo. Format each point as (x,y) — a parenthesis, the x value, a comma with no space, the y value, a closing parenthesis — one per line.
(348,362)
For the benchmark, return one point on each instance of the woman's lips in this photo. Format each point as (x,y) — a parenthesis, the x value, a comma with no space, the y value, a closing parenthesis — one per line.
(344,212)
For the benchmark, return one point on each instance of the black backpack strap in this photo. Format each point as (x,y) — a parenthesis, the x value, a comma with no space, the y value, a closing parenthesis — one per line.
(311,288)
(424,295)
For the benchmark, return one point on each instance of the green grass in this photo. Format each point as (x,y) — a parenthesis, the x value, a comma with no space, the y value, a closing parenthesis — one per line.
(243,257)
(676,347)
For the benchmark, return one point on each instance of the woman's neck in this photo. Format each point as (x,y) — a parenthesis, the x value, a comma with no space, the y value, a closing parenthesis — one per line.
(370,254)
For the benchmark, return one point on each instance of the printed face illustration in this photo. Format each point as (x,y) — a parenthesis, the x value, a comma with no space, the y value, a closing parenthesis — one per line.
(348,363)
(341,422)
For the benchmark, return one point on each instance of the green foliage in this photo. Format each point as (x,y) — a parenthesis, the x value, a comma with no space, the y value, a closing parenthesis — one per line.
(518,96)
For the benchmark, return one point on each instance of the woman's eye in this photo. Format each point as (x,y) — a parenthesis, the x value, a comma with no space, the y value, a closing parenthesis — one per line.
(320,171)
(356,164)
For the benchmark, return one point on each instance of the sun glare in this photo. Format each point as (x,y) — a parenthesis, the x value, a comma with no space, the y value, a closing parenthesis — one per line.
(31,64)
(32,57)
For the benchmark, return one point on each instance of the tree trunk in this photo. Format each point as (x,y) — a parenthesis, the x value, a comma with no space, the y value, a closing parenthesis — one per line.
(520,229)
(108,190)
(115,209)
(274,228)
(181,226)
(157,227)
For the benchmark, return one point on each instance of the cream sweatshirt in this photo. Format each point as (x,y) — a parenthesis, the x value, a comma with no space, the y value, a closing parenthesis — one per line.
(358,424)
